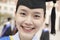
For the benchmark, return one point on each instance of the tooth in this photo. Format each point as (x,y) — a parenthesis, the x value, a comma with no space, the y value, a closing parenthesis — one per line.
(28,28)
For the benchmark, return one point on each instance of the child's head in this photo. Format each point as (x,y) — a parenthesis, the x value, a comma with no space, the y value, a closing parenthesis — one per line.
(29,16)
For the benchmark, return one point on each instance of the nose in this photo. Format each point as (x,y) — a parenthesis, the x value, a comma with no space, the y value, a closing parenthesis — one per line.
(28,21)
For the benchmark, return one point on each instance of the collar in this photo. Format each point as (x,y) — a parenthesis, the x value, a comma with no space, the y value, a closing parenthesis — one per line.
(16,36)
(38,35)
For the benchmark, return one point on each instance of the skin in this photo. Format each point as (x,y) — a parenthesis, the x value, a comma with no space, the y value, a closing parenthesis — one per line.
(28,21)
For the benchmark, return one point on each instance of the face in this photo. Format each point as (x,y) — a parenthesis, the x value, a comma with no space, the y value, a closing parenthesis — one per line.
(29,21)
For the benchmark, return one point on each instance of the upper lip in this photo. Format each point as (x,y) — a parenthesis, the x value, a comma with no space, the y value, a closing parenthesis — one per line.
(28,27)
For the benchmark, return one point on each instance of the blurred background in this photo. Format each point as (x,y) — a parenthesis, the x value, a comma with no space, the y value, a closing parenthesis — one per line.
(7,9)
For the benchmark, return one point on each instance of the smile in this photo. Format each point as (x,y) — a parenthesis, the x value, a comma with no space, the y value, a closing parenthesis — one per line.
(27,29)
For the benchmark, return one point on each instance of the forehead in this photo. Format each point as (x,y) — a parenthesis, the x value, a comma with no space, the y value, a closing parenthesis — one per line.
(24,8)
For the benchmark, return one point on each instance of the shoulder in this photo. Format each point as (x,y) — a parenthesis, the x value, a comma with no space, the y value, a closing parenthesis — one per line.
(11,37)
(5,38)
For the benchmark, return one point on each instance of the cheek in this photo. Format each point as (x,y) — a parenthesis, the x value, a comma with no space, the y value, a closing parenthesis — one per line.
(19,20)
(39,23)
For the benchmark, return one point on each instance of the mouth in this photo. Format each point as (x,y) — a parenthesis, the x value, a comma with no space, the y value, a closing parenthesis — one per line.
(27,29)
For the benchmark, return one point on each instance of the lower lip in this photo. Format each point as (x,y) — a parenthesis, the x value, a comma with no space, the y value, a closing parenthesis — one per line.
(27,30)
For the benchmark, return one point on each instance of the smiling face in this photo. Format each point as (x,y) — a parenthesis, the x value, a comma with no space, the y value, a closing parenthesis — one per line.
(29,21)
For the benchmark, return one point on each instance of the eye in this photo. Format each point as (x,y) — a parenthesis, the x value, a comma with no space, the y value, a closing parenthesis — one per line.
(36,16)
(23,14)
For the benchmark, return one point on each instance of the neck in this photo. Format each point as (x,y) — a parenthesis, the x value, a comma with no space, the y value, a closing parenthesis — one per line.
(25,38)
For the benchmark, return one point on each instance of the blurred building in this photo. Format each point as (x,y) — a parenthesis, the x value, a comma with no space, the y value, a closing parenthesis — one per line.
(7,6)
(9,1)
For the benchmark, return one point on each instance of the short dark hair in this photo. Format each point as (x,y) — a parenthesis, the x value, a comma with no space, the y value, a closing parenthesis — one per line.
(32,4)
(54,1)
(9,19)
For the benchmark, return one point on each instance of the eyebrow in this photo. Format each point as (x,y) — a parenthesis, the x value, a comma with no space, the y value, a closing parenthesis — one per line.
(24,10)
(36,12)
